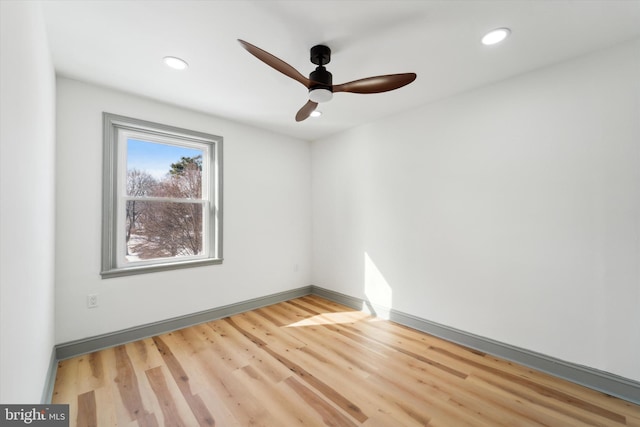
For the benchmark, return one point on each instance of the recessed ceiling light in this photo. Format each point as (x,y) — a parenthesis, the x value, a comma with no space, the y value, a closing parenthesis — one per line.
(495,36)
(175,63)
(315,113)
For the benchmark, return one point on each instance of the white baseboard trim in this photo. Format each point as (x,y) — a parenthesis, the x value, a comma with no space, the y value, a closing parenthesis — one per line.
(602,381)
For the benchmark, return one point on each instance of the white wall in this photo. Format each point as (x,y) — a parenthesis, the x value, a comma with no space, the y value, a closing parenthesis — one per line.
(511,212)
(27,173)
(267,219)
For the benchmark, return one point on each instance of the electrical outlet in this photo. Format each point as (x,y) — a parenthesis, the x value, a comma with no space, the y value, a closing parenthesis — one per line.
(92,301)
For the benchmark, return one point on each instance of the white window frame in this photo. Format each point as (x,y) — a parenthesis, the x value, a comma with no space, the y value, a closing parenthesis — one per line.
(117,130)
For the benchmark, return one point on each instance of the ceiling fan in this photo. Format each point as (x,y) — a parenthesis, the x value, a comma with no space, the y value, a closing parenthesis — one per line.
(320,81)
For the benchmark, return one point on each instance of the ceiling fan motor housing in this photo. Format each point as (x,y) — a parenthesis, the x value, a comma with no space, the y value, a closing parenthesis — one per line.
(322,76)
(323,91)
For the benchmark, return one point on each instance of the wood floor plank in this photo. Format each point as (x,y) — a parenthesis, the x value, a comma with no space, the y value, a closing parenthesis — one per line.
(262,329)
(422,405)
(144,354)
(229,344)
(313,362)
(231,391)
(129,389)
(64,389)
(184,344)
(105,406)
(226,345)
(90,373)
(329,392)
(527,407)
(329,415)
(181,378)
(87,415)
(170,413)
(278,400)
(567,399)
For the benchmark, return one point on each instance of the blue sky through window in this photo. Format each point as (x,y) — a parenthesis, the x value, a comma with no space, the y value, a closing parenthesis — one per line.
(155,158)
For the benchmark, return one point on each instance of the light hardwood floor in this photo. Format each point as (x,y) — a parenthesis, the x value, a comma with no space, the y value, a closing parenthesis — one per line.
(311,362)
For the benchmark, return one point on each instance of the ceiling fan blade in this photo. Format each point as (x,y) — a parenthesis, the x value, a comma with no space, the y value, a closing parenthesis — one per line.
(306,110)
(275,63)
(376,84)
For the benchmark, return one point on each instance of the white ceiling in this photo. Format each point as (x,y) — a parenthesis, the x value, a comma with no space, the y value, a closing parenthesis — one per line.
(120,44)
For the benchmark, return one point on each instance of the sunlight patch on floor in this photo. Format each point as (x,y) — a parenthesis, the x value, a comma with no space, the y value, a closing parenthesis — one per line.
(333,319)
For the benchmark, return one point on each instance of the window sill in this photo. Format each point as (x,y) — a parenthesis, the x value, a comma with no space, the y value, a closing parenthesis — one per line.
(143,269)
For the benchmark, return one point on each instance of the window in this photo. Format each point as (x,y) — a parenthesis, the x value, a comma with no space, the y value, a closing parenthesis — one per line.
(162,195)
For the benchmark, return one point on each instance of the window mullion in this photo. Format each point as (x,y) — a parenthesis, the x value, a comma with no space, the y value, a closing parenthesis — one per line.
(163,199)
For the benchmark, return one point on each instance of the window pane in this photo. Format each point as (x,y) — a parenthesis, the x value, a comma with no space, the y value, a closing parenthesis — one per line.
(163,230)
(163,170)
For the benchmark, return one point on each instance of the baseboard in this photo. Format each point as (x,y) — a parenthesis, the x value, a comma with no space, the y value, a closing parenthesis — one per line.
(47,392)
(337,297)
(605,382)
(88,345)
(602,381)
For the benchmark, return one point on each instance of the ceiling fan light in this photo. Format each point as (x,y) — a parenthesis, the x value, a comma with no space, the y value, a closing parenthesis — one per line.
(495,36)
(315,113)
(175,63)
(320,95)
